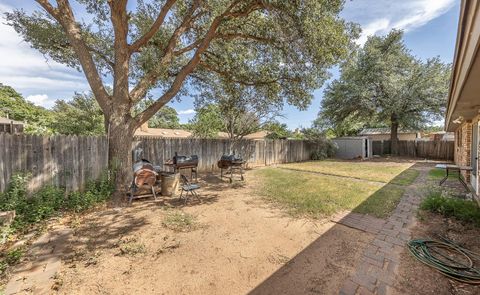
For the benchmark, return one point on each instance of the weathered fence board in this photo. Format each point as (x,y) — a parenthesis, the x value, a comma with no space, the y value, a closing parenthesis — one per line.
(436,150)
(70,161)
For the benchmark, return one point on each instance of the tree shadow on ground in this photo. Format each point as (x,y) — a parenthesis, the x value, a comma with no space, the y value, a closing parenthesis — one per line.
(325,264)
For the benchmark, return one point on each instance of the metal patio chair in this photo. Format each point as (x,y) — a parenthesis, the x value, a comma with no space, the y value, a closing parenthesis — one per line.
(188,188)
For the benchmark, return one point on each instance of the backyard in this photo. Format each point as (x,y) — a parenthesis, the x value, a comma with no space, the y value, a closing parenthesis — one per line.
(287,228)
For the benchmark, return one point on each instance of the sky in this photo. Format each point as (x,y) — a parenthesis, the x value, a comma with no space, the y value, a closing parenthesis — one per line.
(430,30)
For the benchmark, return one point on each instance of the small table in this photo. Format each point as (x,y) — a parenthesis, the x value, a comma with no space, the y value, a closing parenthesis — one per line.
(454,168)
(193,169)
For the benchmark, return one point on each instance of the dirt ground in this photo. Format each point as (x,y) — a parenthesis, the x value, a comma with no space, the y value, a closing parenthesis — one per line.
(240,245)
(417,278)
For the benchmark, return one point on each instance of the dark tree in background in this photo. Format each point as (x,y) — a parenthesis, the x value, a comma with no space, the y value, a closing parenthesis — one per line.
(281,48)
(384,84)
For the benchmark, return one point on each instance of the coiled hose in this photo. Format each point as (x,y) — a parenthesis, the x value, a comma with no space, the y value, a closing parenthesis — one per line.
(459,265)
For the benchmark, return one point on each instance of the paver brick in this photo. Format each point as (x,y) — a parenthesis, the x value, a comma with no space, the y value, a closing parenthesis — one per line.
(375,273)
(364,291)
(349,288)
(365,280)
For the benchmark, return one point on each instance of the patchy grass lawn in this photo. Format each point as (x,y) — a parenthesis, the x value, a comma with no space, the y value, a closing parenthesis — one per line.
(374,171)
(316,195)
(405,178)
(437,174)
(382,202)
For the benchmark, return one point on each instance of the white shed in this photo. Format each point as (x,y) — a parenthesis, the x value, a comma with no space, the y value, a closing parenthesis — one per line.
(353,147)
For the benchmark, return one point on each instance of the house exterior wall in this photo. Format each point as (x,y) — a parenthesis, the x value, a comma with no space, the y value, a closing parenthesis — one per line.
(463,146)
(401,136)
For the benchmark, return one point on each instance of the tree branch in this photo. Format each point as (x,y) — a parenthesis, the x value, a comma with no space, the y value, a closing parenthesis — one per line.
(191,65)
(48,7)
(188,48)
(245,36)
(121,67)
(63,14)
(153,29)
(139,91)
(244,82)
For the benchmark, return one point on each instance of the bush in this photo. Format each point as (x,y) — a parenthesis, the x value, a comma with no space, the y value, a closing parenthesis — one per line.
(463,210)
(325,148)
(44,204)
(50,200)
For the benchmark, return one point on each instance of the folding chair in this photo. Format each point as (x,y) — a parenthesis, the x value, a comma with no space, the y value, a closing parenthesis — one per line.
(188,187)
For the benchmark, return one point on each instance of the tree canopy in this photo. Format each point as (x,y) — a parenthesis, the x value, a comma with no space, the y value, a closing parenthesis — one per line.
(12,104)
(166,117)
(240,110)
(207,122)
(278,48)
(277,130)
(79,116)
(384,84)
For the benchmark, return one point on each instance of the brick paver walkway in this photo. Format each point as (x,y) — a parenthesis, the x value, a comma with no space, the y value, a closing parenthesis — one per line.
(37,276)
(379,263)
(359,221)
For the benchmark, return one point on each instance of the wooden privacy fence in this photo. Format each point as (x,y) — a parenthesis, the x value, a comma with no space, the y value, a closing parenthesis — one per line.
(70,161)
(67,161)
(436,150)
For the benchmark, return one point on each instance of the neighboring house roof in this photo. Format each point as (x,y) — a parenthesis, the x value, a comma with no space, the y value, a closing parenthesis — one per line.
(9,121)
(464,87)
(224,135)
(163,132)
(170,133)
(257,135)
(378,131)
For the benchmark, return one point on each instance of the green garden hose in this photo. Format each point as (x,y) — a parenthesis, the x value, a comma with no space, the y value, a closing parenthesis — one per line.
(459,265)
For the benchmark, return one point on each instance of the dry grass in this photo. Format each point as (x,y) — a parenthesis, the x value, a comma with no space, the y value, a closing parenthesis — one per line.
(374,171)
(322,193)
(180,221)
(315,195)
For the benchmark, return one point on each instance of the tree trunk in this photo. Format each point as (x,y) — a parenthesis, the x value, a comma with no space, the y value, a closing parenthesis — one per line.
(394,134)
(120,138)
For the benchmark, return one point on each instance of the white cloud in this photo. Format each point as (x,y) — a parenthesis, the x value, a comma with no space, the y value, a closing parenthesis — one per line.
(40,100)
(379,17)
(186,112)
(28,71)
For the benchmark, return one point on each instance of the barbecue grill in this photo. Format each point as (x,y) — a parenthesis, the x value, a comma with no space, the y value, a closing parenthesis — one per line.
(184,162)
(232,164)
(144,180)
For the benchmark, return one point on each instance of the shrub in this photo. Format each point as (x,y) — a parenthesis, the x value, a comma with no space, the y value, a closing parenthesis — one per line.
(463,210)
(30,209)
(325,148)
(50,200)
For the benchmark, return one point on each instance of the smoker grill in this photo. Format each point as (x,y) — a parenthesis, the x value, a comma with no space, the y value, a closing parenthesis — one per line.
(232,164)
(184,162)
(144,180)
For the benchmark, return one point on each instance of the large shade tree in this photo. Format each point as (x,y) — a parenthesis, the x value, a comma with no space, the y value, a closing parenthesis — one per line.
(384,84)
(240,108)
(140,46)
